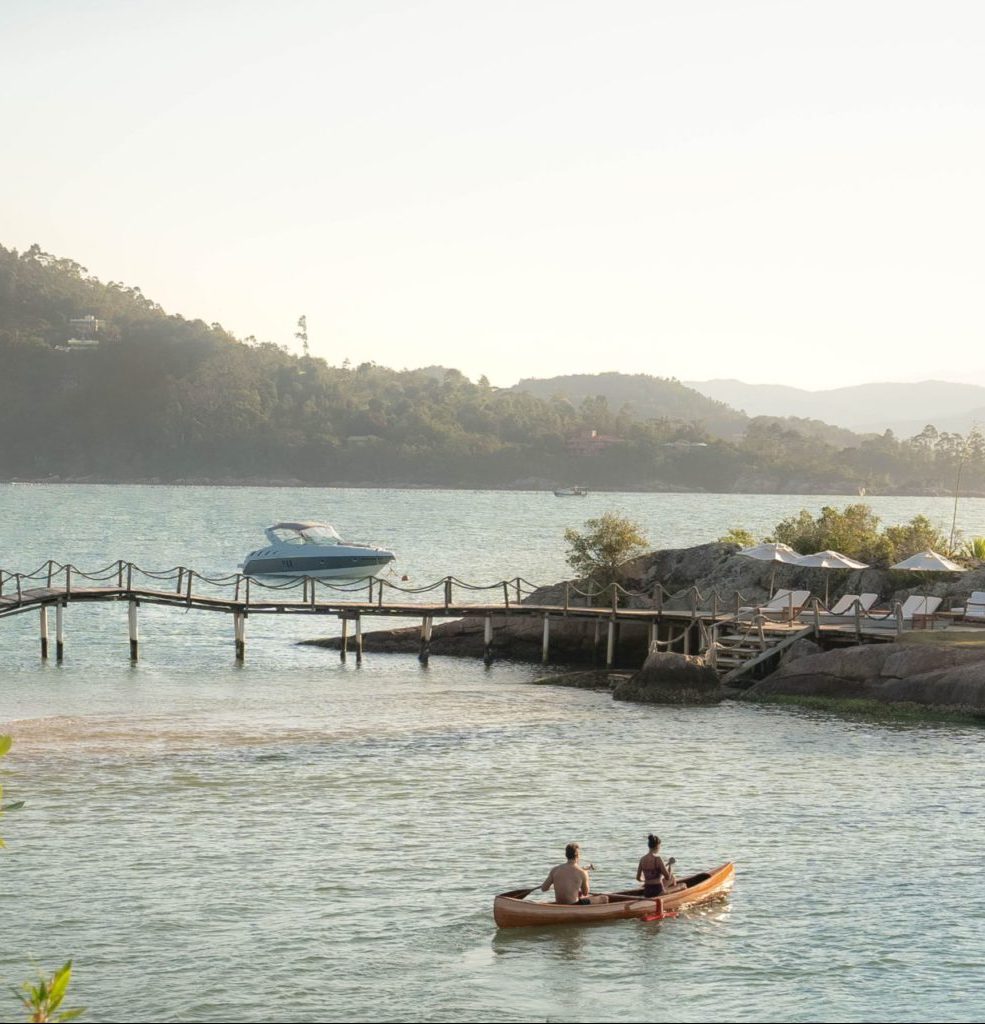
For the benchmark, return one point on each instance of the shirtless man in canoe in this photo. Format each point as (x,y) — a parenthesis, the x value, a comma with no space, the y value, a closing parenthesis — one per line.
(570,881)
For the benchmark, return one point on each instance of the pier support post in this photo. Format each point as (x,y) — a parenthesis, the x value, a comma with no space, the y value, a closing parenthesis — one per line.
(43,612)
(425,640)
(59,632)
(595,642)
(610,647)
(487,634)
(359,640)
(239,626)
(132,624)
(687,639)
(547,637)
(651,639)
(344,642)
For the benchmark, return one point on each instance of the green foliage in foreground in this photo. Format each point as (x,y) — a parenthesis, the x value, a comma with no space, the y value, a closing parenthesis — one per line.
(43,999)
(606,543)
(5,744)
(854,531)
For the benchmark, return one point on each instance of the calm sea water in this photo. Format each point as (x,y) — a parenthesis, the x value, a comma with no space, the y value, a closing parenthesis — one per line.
(298,839)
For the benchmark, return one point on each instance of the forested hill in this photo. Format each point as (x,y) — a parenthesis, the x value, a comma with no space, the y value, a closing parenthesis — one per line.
(146,395)
(643,397)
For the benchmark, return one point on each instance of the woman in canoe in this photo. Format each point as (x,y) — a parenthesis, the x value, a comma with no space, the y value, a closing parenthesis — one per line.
(656,876)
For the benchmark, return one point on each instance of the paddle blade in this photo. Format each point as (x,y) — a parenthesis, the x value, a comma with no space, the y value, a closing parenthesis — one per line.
(659,916)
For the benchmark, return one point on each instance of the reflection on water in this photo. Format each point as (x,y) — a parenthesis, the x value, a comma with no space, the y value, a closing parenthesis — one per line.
(561,943)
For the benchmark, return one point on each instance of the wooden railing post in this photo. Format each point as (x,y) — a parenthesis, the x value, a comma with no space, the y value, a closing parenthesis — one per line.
(44,631)
(60,631)
(487,633)
(132,624)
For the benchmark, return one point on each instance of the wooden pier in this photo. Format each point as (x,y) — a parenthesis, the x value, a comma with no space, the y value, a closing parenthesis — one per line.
(699,624)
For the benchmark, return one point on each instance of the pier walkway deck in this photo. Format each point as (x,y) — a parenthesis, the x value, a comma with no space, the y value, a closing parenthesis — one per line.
(688,622)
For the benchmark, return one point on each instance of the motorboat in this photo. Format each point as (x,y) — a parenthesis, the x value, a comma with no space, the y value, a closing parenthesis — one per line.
(305,548)
(570,492)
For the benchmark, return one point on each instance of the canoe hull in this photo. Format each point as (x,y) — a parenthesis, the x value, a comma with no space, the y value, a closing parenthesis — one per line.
(511,910)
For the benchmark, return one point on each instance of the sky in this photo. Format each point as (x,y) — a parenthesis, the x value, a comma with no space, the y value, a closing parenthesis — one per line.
(781,192)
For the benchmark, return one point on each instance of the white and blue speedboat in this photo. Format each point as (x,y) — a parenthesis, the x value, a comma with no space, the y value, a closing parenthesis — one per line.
(314,549)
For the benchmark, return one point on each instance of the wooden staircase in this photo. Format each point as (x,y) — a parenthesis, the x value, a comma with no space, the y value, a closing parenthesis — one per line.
(738,648)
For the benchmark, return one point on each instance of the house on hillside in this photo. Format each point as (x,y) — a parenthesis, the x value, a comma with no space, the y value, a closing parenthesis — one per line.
(591,442)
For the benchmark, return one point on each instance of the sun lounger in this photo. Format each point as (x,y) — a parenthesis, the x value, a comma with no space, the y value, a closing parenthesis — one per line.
(784,604)
(974,610)
(845,607)
(915,604)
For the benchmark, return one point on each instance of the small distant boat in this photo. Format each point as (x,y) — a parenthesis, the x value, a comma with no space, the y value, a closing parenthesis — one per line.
(511,910)
(570,492)
(309,548)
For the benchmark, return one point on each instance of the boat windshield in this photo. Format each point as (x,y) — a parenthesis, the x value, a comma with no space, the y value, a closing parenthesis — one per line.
(321,534)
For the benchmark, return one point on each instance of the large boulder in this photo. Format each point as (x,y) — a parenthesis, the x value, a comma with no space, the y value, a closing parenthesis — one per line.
(667,678)
(934,675)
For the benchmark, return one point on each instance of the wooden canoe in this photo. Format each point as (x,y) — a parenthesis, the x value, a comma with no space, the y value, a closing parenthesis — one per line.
(513,910)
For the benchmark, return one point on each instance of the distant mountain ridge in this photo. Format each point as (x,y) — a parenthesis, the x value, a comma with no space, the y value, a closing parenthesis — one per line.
(904,408)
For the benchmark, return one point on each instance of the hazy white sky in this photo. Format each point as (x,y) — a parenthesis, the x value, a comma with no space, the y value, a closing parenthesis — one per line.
(787,192)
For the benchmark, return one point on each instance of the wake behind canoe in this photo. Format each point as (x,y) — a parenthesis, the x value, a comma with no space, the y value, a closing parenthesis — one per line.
(512,910)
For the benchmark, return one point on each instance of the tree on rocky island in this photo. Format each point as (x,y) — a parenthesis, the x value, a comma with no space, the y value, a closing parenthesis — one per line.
(607,543)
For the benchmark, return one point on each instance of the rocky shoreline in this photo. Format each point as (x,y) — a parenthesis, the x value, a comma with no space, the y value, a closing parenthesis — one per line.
(940,671)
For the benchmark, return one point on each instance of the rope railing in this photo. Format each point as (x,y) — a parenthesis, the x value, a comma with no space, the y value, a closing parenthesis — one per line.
(188,580)
(188,583)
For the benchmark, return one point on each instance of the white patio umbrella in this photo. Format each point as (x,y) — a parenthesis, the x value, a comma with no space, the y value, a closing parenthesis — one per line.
(781,554)
(928,561)
(829,560)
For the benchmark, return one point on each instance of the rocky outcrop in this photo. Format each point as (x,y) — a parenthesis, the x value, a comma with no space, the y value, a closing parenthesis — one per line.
(667,678)
(946,676)
(591,680)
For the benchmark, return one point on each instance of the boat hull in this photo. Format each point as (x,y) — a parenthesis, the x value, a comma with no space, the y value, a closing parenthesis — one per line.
(511,909)
(350,567)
